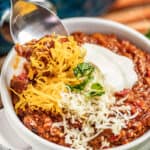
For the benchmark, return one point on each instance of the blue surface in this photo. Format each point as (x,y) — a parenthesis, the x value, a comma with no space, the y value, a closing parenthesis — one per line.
(72,8)
(4,4)
(4,45)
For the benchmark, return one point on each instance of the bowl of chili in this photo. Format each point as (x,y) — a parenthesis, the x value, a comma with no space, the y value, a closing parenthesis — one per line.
(121,40)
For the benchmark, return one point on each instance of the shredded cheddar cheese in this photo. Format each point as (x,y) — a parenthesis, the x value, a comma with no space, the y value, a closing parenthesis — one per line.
(50,68)
(16,62)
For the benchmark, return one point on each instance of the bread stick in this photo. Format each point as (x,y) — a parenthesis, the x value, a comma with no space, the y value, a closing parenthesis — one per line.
(119,4)
(130,14)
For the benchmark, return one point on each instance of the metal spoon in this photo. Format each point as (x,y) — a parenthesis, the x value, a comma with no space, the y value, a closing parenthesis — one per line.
(31,21)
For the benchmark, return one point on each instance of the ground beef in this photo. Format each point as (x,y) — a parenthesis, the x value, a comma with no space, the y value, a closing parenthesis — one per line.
(20,82)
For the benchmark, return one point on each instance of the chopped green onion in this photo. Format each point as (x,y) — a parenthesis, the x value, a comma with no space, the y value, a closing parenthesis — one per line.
(96,86)
(148,34)
(82,85)
(96,90)
(96,93)
(83,69)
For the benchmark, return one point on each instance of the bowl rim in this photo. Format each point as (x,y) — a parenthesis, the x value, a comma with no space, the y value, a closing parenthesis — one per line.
(11,115)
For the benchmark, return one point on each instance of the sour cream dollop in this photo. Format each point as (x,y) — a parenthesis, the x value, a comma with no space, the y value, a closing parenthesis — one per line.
(118,71)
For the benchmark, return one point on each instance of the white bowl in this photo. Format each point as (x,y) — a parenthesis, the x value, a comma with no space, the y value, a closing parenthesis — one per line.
(87,25)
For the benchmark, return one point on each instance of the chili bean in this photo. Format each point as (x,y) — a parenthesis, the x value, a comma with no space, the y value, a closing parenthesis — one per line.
(29,122)
(47,124)
(148,72)
(19,83)
(56,132)
(40,130)
(122,93)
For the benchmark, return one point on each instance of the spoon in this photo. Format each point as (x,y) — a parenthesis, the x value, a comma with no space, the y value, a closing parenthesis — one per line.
(32,21)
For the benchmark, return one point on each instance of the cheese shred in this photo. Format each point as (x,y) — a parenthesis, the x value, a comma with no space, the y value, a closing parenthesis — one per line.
(50,69)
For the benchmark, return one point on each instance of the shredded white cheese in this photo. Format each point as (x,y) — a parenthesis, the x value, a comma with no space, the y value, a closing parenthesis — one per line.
(96,115)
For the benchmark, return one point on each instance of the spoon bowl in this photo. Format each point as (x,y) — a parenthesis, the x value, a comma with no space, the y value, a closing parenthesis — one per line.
(32,21)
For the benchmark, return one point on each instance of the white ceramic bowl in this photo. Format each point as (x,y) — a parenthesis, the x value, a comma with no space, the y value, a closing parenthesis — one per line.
(87,25)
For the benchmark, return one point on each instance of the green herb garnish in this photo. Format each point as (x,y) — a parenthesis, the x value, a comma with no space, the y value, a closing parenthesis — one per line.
(148,34)
(83,69)
(82,85)
(96,86)
(95,93)
(96,90)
